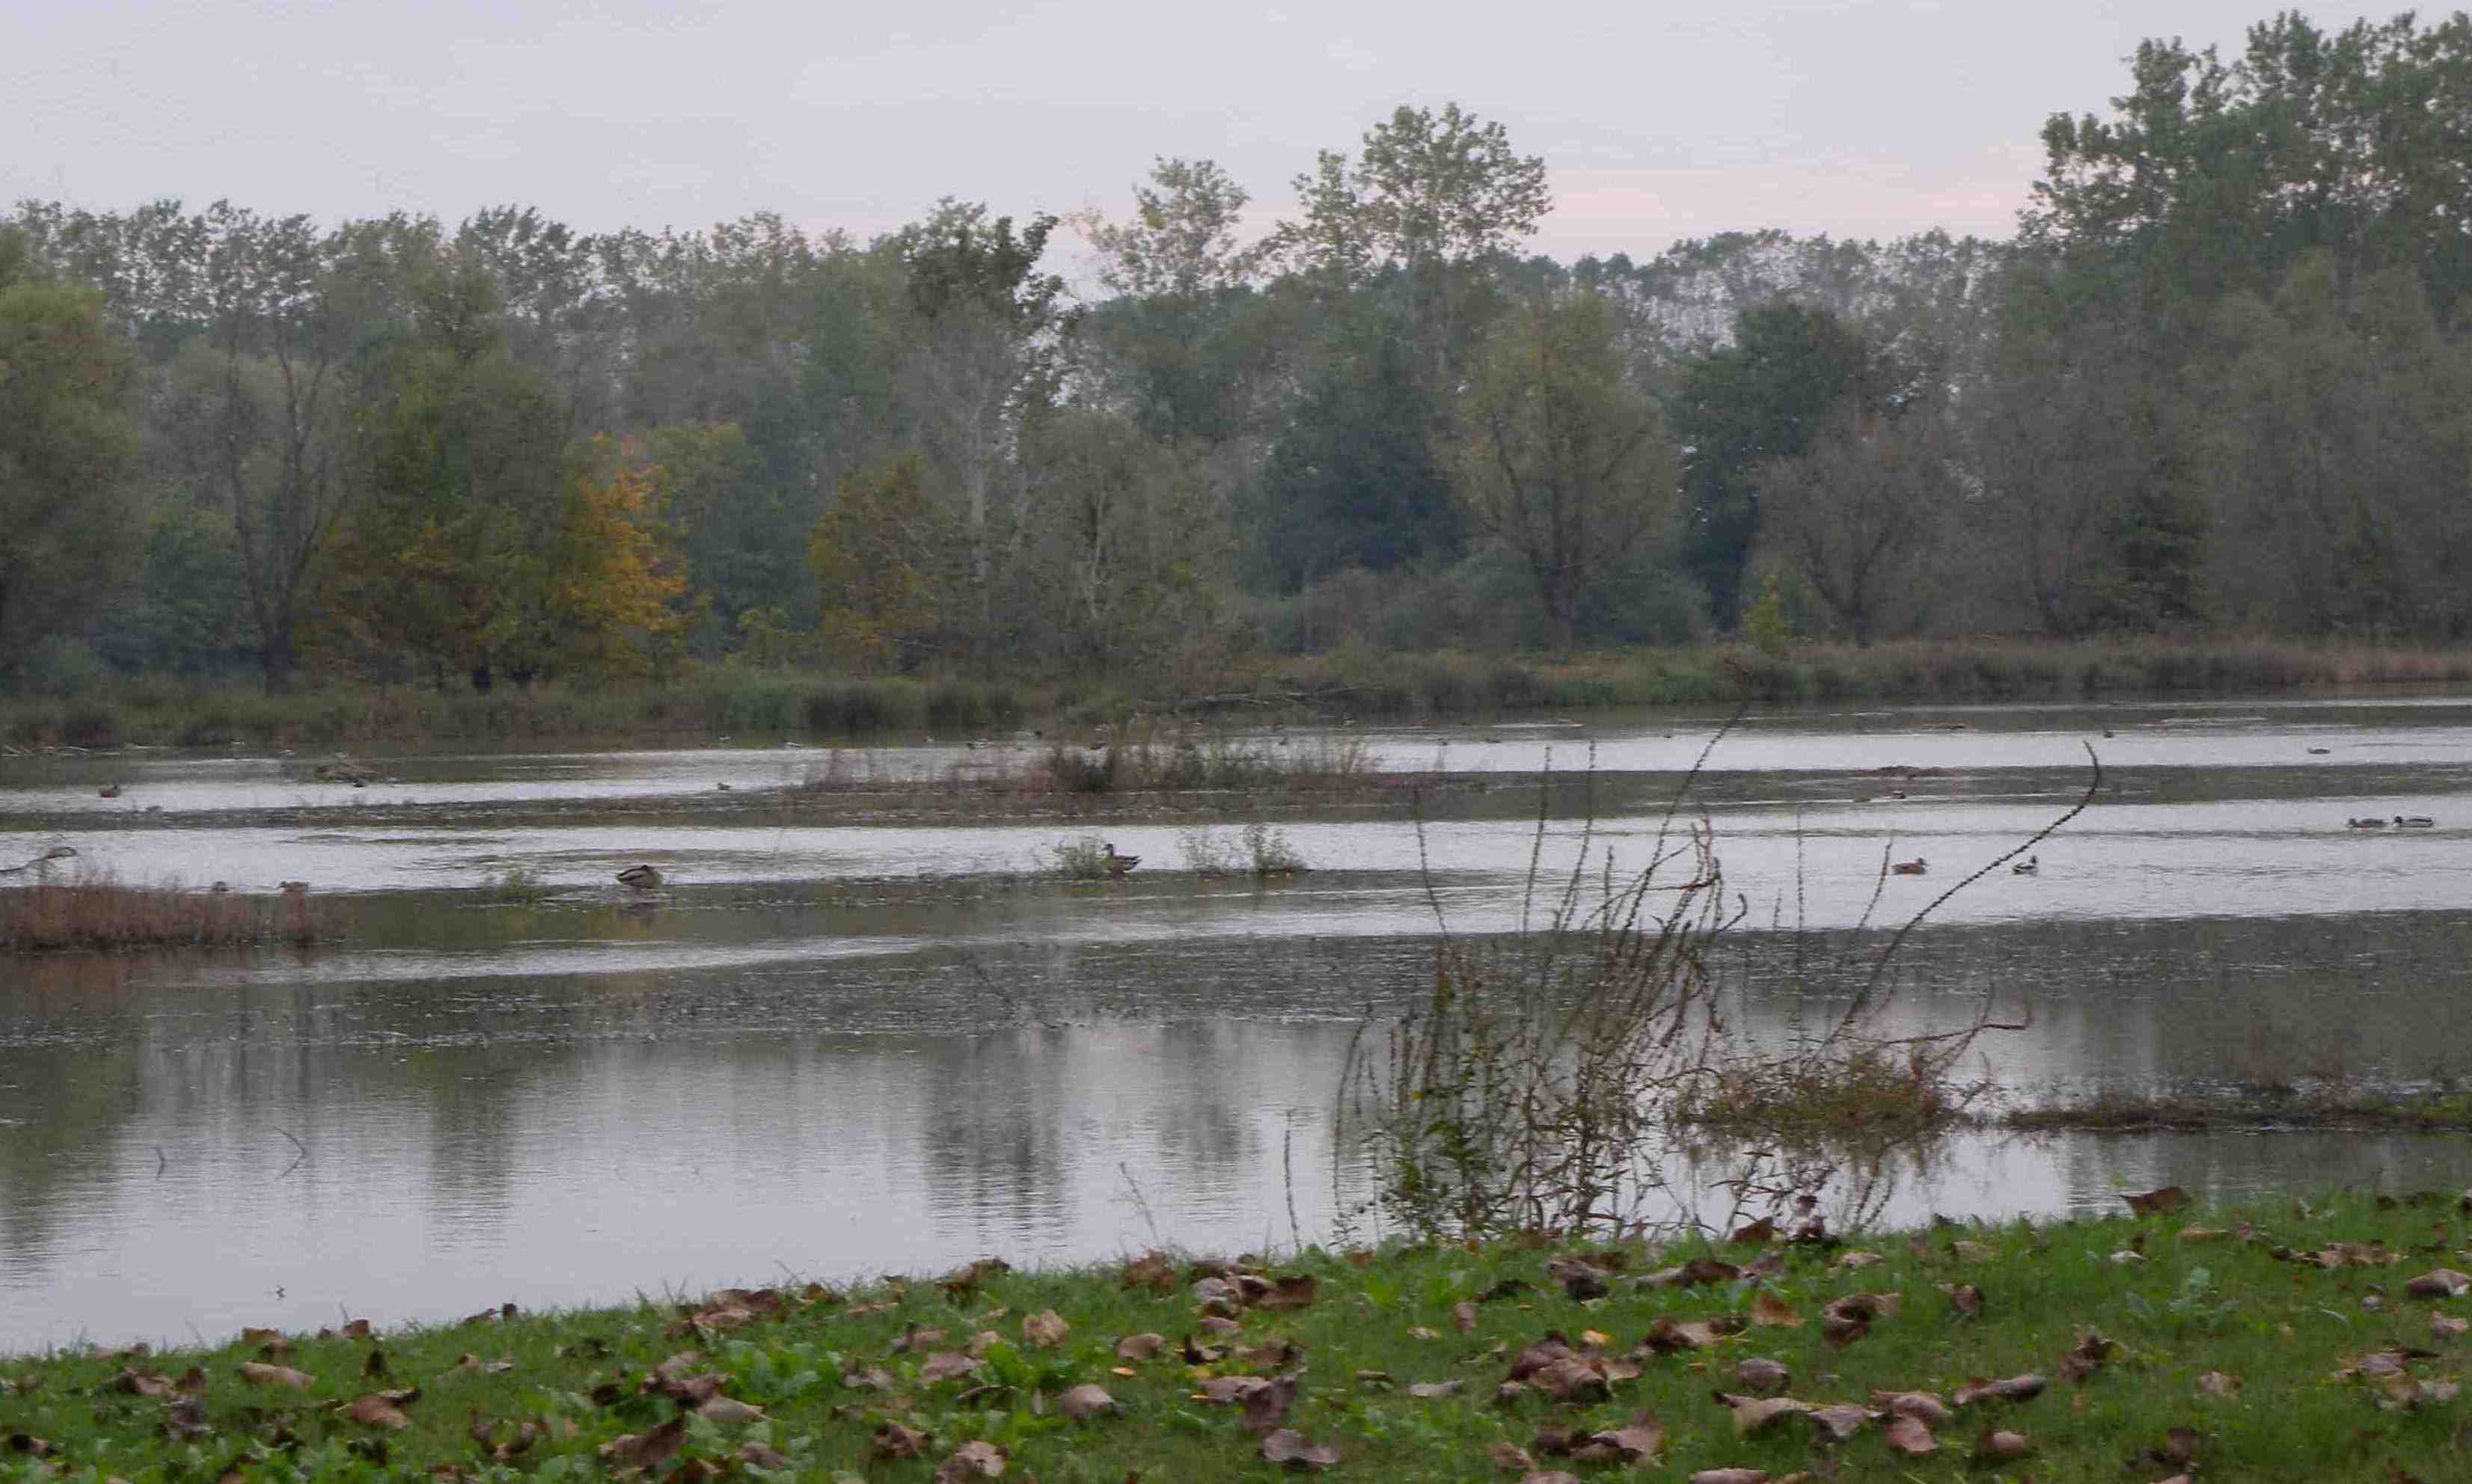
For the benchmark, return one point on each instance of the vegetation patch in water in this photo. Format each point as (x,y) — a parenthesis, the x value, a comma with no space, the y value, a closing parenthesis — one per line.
(2294,1340)
(97,913)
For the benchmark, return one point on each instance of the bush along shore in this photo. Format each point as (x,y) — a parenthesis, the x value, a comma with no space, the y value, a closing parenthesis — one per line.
(721,700)
(2299,1339)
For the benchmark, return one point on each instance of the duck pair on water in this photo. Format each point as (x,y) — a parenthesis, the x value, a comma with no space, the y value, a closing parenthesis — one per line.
(2400,822)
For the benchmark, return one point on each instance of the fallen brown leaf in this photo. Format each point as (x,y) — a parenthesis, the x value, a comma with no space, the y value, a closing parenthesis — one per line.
(1730,1476)
(1145,1346)
(1296,1291)
(1509,1455)
(1084,1402)
(1294,1450)
(1753,1414)
(729,1410)
(1571,1380)
(185,1420)
(1431,1389)
(2016,1388)
(1045,1330)
(1764,1230)
(1774,1312)
(1759,1374)
(891,1440)
(1909,1436)
(1266,1407)
(758,1456)
(978,1460)
(1964,1298)
(647,1449)
(1579,1280)
(1925,1406)
(1463,1314)
(1857,1260)
(1973,1251)
(382,1409)
(1638,1442)
(946,1364)
(1152,1270)
(258,1374)
(2443,1283)
(2218,1383)
(2148,1203)
(2447,1326)
(2001,1446)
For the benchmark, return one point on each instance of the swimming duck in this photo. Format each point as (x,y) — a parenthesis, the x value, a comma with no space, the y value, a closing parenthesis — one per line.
(2415,822)
(643,878)
(2028,866)
(2366,824)
(1914,867)
(1118,866)
(109,790)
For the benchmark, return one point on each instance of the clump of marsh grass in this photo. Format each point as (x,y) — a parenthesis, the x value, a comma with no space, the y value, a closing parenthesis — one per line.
(96,911)
(1084,858)
(519,883)
(1554,1078)
(1258,849)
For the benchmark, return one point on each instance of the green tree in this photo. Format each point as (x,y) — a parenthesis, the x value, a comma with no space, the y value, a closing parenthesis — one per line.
(1127,562)
(1763,397)
(1860,516)
(2213,177)
(69,499)
(881,557)
(1560,460)
(453,555)
(1352,479)
(2334,441)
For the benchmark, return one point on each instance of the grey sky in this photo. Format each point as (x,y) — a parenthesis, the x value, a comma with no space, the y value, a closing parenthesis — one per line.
(1660,120)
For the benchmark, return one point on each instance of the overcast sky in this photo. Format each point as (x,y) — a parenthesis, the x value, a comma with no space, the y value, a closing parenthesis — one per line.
(1660,119)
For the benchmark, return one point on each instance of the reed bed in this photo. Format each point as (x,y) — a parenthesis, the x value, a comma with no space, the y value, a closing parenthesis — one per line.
(725,700)
(96,912)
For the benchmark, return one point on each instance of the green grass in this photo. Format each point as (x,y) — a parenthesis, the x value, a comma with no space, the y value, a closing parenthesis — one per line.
(552,1396)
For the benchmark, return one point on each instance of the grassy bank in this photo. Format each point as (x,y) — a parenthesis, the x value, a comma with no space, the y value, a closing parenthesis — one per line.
(2281,1107)
(722,702)
(2295,1341)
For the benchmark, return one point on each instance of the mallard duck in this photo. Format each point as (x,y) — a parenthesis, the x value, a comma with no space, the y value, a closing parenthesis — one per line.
(2415,822)
(2368,824)
(2028,866)
(109,790)
(1914,867)
(1116,865)
(643,878)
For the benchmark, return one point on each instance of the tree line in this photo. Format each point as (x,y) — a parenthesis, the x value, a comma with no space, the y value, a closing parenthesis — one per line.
(2216,383)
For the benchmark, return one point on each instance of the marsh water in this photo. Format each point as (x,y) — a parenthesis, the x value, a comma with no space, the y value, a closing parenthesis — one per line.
(861,1029)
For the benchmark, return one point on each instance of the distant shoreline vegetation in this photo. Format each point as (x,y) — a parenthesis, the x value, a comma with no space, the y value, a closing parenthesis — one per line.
(1362,685)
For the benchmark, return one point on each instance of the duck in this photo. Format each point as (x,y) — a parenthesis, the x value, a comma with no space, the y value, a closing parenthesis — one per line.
(2319,752)
(1914,867)
(1116,865)
(2028,866)
(2366,824)
(109,790)
(2415,822)
(643,878)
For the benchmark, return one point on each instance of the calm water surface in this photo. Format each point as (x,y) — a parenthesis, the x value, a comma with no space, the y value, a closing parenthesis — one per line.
(837,1049)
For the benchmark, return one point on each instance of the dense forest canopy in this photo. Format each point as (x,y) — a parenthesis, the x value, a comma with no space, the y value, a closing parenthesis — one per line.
(2216,383)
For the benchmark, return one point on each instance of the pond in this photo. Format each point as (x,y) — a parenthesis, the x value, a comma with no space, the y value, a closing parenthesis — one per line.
(845,1039)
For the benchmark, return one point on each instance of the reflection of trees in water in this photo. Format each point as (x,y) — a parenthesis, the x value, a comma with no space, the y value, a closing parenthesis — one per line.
(993,1145)
(69,1089)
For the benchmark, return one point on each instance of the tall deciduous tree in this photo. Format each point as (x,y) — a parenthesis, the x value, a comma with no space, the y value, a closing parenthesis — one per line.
(1560,458)
(68,454)
(1763,397)
(1862,516)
